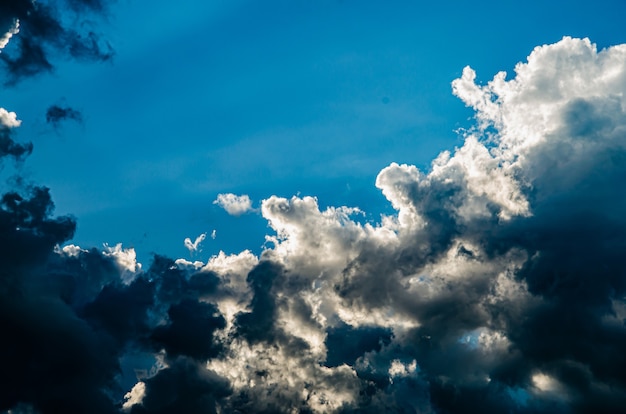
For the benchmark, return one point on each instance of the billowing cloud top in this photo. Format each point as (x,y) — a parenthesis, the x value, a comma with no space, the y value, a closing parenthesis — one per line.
(499,285)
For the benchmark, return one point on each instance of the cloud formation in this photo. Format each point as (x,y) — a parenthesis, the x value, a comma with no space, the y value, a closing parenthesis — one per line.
(57,114)
(233,204)
(497,285)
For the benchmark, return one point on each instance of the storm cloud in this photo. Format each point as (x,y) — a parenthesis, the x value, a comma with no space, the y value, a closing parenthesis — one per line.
(498,284)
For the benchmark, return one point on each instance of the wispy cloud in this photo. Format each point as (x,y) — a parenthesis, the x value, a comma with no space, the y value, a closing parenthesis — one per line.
(194,246)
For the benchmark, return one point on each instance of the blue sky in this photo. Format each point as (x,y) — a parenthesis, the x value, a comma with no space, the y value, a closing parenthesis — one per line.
(285,98)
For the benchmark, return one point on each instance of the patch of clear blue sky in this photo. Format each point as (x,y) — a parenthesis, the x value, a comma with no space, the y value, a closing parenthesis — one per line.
(268,97)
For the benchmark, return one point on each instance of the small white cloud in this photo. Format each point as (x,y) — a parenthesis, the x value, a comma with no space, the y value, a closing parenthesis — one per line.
(399,369)
(4,40)
(213,234)
(8,119)
(548,386)
(544,382)
(194,246)
(71,250)
(134,396)
(233,204)
(186,264)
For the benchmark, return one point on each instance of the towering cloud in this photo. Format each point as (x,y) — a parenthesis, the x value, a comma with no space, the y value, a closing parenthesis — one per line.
(498,285)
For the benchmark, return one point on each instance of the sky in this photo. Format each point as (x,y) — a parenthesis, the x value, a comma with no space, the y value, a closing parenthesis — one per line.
(297,206)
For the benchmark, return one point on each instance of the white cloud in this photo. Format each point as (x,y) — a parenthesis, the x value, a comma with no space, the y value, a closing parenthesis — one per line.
(233,204)
(399,369)
(134,396)
(126,260)
(310,238)
(287,379)
(8,119)
(193,247)
(234,264)
(4,39)
(565,105)
(70,250)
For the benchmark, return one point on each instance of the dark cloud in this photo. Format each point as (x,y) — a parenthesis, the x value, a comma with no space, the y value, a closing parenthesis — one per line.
(184,387)
(47,28)
(51,359)
(68,318)
(258,324)
(176,284)
(8,147)
(57,114)
(121,311)
(190,330)
(345,344)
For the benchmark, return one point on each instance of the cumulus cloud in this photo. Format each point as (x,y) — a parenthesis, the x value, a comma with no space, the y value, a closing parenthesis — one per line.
(8,119)
(498,283)
(233,204)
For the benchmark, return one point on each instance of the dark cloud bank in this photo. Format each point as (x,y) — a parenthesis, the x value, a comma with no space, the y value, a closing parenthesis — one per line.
(498,286)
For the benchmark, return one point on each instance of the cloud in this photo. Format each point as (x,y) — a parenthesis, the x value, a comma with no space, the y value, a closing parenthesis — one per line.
(233,204)
(13,30)
(497,284)
(38,30)
(193,247)
(183,387)
(9,121)
(57,114)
